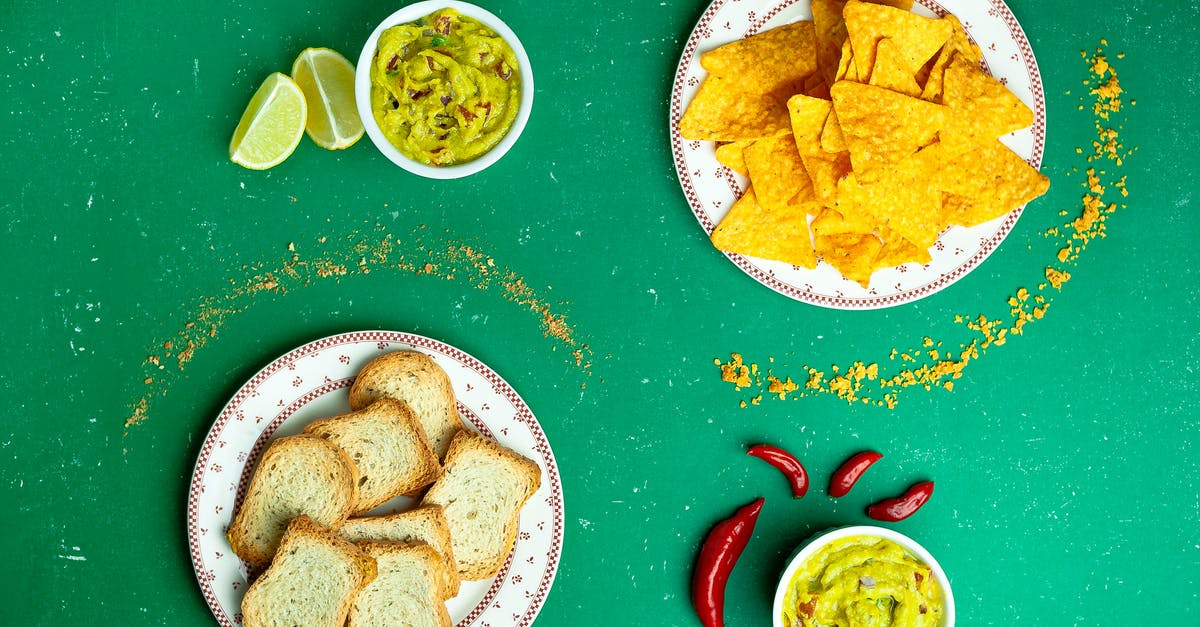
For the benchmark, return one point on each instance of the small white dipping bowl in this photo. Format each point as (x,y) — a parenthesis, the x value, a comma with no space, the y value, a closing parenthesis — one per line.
(809,547)
(362,90)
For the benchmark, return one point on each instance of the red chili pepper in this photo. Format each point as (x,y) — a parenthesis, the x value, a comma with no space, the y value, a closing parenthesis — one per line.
(892,510)
(848,473)
(786,463)
(718,555)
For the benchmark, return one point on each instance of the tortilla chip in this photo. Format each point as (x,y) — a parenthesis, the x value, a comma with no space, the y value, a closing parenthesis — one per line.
(730,156)
(989,180)
(830,34)
(832,139)
(901,201)
(748,229)
(816,87)
(898,251)
(846,68)
(890,73)
(808,116)
(852,254)
(773,62)
(958,43)
(825,169)
(917,38)
(981,107)
(776,171)
(830,222)
(721,113)
(882,127)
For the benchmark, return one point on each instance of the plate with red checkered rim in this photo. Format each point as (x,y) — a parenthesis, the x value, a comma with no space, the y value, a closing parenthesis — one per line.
(313,382)
(711,188)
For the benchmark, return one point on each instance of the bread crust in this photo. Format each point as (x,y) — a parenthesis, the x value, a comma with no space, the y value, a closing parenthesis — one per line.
(259,602)
(370,437)
(413,377)
(466,449)
(264,514)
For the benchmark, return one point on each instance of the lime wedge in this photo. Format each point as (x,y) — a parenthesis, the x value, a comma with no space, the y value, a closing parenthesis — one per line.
(327,80)
(272,125)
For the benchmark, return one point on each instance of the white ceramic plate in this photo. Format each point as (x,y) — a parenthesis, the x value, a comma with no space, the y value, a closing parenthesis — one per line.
(313,382)
(711,188)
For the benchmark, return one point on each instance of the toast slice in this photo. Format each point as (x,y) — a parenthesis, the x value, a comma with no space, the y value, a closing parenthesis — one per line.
(482,489)
(299,474)
(424,524)
(408,591)
(387,445)
(414,378)
(312,581)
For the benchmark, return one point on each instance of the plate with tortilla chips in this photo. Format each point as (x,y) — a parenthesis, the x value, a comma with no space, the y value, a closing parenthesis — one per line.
(858,154)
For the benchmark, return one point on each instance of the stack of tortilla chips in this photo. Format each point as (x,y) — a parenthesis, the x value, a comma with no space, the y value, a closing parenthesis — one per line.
(865,133)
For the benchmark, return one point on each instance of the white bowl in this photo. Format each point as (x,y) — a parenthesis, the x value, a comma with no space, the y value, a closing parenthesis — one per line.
(819,540)
(362,90)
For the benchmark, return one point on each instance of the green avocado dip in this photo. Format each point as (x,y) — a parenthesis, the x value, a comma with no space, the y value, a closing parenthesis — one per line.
(445,89)
(860,581)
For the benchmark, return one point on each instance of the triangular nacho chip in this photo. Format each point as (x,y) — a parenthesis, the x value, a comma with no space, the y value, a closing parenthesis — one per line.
(748,229)
(917,38)
(825,169)
(774,62)
(852,254)
(808,116)
(776,172)
(981,107)
(989,180)
(890,72)
(882,127)
(730,156)
(719,112)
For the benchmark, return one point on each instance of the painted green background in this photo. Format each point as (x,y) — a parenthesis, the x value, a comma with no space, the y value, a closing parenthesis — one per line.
(1066,461)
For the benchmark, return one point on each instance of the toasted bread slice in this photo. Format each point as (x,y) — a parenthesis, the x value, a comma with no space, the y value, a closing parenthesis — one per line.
(482,489)
(414,378)
(388,446)
(312,581)
(408,591)
(299,474)
(424,524)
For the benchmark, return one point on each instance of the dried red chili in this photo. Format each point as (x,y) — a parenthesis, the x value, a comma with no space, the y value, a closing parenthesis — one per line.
(892,510)
(718,555)
(786,463)
(848,473)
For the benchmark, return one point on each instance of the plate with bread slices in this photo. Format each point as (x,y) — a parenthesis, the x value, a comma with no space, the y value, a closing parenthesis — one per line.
(375,477)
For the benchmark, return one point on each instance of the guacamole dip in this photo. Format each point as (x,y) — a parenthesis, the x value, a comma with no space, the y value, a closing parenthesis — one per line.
(444,89)
(860,581)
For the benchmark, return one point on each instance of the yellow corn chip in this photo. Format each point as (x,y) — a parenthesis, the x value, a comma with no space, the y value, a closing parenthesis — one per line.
(776,171)
(901,200)
(773,62)
(917,38)
(981,107)
(825,169)
(830,35)
(832,139)
(816,87)
(846,68)
(890,73)
(730,156)
(898,251)
(830,222)
(958,43)
(748,229)
(988,181)
(850,253)
(721,113)
(808,119)
(882,127)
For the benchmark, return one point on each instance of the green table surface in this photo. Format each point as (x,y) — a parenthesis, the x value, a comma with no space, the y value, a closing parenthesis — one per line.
(1068,486)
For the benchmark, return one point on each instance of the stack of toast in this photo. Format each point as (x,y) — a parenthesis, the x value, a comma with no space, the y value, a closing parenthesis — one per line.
(303,515)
